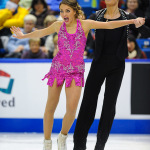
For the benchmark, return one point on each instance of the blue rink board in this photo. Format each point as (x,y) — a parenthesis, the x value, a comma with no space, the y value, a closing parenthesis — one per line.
(120,126)
(16,60)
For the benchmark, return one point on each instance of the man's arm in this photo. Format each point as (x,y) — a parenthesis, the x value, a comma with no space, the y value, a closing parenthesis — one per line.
(144,30)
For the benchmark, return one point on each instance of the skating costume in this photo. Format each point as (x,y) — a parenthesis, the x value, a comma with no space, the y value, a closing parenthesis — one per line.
(68,64)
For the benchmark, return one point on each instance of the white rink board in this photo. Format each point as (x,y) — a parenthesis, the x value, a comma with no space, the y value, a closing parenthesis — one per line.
(29,93)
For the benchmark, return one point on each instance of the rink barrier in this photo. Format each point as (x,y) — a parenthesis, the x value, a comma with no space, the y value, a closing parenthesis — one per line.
(16,60)
(120,126)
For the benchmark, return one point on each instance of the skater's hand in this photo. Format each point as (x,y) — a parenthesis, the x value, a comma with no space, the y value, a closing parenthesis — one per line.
(18,33)
(139,22)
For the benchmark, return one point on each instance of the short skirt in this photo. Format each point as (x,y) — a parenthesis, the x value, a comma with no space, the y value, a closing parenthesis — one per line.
(67,77)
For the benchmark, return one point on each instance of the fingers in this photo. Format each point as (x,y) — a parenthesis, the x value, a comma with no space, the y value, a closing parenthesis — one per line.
(16,32)
(19,29)
(14,36)
(12,30)
(15,29)
(139,22)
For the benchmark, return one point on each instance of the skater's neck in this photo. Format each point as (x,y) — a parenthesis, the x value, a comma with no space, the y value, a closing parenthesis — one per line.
(112,12)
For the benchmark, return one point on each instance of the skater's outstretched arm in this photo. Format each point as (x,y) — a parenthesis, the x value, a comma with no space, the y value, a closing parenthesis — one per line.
(37,33)
(114,24)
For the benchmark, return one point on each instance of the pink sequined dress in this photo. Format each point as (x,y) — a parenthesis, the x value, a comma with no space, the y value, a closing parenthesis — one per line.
(68,64)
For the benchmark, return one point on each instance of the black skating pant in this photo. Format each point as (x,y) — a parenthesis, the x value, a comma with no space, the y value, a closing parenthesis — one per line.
(111,69)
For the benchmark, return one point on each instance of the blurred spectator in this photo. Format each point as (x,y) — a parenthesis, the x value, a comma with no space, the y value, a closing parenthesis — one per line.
(12,15)
(90,44)
(148,15)
(3,3)
(121,4)
(50,19)
(54,6)
(143,5)
(40,11)
(25,3)
(35,52)
(133,49)
(102,4)
(55,40)
(59,18)
(148,9)
(16,46)
(49,45)
(2,50)
(83,16)
(133,7)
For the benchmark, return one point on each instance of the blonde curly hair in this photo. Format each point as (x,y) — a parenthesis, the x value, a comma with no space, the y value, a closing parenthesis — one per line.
(75,6)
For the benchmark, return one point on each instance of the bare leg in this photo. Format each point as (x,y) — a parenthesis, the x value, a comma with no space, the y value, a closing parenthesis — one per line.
(52,101)
(73,95)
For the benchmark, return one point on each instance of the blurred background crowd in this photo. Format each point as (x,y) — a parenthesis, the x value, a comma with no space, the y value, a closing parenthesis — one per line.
(31,15)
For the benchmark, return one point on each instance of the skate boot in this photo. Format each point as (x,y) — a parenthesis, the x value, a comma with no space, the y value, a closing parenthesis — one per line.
(61,142)
(47,145)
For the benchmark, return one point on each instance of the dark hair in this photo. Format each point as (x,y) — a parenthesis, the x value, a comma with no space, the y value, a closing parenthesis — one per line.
(74,5)
(34,2)
(137,1)
(131,38)
(92,16)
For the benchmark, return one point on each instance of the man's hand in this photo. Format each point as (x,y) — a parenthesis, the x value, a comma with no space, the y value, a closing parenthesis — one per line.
(139,22)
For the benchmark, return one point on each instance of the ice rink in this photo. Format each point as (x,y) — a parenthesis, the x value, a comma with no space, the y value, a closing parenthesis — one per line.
(34,141)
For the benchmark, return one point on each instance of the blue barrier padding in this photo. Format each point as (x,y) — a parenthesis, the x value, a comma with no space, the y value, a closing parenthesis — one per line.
(120,126)
(143,43)
(137,60)
(16,60)
(89,3)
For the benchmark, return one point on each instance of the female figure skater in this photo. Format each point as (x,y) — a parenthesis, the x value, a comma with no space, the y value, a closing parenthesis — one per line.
(68,64)
(109,63)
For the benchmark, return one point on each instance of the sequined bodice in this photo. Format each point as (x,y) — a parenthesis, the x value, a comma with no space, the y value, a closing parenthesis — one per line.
(69,59)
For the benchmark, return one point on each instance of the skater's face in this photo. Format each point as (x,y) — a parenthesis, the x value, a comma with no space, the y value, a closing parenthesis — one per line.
(132,4)
(34,47)
(111,2)
(67,13)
